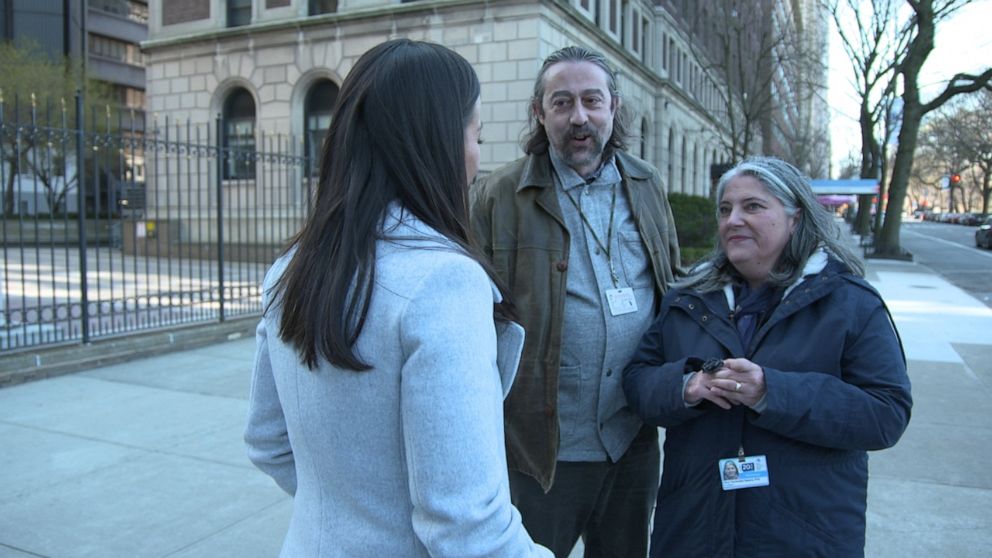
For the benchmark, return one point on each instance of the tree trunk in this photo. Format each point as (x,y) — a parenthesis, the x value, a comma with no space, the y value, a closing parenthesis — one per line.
(986,190)
(862,221)
(887,241)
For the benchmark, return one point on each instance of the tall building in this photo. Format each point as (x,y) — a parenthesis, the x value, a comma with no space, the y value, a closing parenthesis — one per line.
(275,66)
(259,77)
(109,47)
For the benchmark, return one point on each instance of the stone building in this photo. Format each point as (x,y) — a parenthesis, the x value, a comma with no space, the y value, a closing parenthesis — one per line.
(271,69)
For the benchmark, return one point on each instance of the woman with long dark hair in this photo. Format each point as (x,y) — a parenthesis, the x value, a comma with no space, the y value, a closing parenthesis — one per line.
(377,388)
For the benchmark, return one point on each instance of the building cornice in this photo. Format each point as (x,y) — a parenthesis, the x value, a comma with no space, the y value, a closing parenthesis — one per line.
(350,16)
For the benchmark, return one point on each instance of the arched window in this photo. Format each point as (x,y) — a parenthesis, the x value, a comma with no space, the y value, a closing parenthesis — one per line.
(239,135)
(317,119)
(695,170)
(644,138)
(671,161)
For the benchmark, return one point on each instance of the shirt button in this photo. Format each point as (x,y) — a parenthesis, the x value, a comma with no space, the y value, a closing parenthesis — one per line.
(562,265)
(609,372)
(549,411)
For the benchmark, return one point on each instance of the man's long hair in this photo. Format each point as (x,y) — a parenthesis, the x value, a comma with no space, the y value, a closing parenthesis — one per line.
(536,141)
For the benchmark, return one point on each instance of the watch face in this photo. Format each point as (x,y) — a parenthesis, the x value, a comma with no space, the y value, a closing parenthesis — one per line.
(712,365)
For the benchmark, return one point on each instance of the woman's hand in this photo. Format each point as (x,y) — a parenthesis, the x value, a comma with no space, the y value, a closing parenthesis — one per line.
(739,382)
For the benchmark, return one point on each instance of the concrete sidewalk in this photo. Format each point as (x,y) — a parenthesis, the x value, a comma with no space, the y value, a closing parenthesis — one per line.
(146,459)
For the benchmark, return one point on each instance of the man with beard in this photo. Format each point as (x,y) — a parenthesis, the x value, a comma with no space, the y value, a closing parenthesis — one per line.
(582,233)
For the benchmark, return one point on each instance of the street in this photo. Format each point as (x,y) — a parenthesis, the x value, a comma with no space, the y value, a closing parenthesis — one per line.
(950,251)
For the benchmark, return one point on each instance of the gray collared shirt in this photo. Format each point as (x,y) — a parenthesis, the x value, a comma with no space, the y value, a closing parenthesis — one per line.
(596,345)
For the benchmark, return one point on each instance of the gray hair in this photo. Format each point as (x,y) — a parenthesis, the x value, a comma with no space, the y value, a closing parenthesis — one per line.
(815,228)
(536,140)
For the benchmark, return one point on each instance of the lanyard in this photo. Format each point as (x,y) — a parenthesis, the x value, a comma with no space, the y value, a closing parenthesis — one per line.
(609,231)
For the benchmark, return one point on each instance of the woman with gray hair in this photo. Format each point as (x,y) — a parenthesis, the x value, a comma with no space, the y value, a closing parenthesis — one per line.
(776,355)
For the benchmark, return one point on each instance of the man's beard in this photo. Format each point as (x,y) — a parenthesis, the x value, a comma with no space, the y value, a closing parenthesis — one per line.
(580,157)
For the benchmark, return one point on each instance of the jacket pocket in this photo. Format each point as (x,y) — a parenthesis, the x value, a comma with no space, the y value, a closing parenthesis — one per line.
(634,260)
(796,535)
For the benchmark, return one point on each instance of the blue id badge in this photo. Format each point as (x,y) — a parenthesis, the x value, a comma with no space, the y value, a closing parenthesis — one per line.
(743,472)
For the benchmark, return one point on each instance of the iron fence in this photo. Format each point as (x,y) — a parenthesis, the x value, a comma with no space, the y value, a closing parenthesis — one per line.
(112,224)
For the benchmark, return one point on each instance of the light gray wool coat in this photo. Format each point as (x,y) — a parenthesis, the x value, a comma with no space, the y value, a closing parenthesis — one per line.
(405,459)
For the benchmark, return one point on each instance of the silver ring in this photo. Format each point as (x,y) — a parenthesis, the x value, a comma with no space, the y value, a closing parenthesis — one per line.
(738,386)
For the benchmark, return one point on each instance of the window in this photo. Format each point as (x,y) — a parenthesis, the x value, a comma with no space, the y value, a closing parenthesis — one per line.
(635,32)
(695,169)
(644,138)
(671,160)
(645,37)
(113,49)
(239,135)
(671,58)
(135,11)
(238,12)
(588,8)
(317,119)
(624,20)
(323,7)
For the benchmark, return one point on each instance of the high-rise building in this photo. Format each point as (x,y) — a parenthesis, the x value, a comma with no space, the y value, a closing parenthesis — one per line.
(109,47)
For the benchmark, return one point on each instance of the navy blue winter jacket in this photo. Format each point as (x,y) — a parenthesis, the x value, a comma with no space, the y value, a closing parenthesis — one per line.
(836,388)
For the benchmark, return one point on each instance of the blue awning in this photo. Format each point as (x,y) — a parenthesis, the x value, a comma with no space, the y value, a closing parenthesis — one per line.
(845,186)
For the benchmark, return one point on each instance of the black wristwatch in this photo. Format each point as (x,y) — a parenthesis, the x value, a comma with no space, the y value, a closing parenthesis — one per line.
(711,365)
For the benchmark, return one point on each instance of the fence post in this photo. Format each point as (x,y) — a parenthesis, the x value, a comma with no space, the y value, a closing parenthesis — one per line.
(220,214)
(84,312)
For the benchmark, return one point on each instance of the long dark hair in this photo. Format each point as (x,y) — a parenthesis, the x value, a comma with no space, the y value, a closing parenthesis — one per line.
(397,133)
(536,141)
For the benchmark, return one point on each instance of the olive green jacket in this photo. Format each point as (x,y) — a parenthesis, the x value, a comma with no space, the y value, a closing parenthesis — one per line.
(519,226)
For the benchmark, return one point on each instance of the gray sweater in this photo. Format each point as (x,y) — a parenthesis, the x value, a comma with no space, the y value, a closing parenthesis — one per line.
(406,459)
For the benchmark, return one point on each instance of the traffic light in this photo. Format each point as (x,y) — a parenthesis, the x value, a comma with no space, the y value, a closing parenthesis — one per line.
(955,179)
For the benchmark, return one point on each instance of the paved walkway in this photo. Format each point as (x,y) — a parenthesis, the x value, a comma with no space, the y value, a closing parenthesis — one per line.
(145,459)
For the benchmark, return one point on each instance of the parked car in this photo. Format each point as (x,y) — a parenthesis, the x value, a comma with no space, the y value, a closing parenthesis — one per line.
(971,219)
(983,235)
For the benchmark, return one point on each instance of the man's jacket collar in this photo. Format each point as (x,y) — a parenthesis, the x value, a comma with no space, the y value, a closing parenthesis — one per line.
(538,173)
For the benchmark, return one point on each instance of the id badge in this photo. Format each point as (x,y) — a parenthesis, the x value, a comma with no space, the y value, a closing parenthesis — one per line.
(743,472)
(621,301)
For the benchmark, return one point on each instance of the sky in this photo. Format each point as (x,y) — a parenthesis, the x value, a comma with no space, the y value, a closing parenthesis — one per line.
(963,44)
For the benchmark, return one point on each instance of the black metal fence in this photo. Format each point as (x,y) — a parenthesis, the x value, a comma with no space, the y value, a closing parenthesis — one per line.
(113,224)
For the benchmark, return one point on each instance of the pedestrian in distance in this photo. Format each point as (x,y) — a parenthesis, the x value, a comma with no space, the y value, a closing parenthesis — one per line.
(583,233)
(775,353)
(384,352)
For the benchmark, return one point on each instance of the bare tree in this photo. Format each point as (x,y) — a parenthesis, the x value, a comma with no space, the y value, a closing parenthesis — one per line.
(740,50)
(801,106)
(939,155)
(36,110)
(922,26)
(967,130)
(870,39)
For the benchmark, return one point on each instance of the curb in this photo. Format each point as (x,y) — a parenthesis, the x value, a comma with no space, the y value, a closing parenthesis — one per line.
(31,365)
